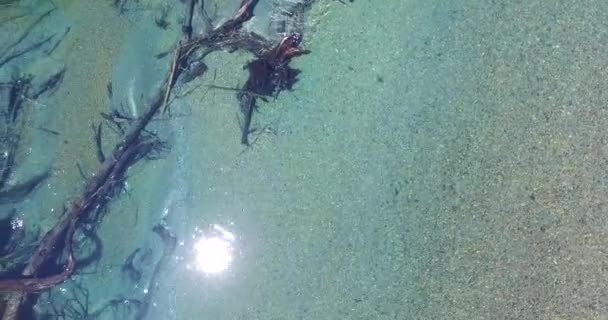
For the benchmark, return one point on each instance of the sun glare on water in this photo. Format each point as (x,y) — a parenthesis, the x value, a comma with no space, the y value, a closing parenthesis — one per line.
(214,252)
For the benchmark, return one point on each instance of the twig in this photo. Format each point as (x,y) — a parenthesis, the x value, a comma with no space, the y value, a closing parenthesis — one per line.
(186,37)
(187,26)
(172,77)
(81,171)
(99,148)
(50,84)
(49,131)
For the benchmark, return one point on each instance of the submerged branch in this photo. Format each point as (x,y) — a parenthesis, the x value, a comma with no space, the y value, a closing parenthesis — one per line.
(39,284)
(136,143)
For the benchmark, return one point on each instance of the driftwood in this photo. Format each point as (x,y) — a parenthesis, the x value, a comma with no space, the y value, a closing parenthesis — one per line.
(273,76)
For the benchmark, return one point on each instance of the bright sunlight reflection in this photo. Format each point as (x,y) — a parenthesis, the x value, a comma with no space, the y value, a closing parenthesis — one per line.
(214,251)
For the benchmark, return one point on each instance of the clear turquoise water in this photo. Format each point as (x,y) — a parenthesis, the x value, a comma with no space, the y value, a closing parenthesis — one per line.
(436,160)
